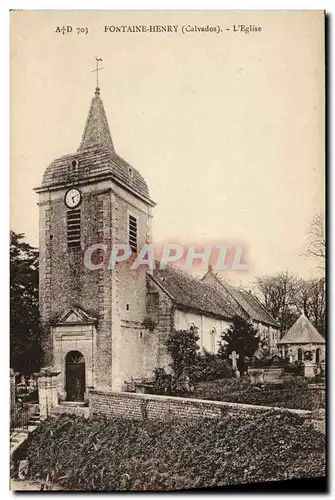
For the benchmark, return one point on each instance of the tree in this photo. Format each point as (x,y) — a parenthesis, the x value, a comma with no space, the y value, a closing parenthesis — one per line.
(311,300)
(316,239)
(25,352)
(241,337)
(286,297)
(279,296)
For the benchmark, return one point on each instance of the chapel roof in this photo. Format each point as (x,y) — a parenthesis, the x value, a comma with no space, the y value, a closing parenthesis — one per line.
(95,158)
(302,332)
(191,293)
(241,299)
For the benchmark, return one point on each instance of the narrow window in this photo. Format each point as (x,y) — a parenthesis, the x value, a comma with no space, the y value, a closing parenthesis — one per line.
(213,338)
(73,229)
(127,307)
(141,335)
(132,233)
(317,355)
(73,169)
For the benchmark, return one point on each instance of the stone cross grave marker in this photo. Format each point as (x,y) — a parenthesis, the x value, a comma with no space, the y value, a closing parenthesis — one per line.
(234,357)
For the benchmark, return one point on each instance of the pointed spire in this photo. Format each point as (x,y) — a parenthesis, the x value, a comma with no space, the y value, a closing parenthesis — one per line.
(96,131)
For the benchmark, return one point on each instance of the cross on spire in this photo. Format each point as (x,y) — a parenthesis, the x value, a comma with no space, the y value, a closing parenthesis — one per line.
(97,71)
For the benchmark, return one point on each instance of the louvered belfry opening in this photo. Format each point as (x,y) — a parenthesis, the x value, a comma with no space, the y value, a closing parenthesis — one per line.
(133,233)
(73,229)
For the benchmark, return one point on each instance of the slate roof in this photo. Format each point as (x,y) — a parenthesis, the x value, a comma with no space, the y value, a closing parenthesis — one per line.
(241,299)
(191,293)
(96,129)
(96,156)
(302,332)
(252,306)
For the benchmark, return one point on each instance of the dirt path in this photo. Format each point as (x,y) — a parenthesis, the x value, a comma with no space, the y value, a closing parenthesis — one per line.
(27,485)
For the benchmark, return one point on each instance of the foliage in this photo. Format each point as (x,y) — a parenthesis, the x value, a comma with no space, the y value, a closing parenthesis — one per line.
(183,349)
(121,454)
(25,353)
(211,367)
(188,365)
(293,393)
(241,337)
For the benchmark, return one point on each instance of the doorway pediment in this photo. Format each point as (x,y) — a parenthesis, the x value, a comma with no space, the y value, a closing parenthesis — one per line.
(75,316)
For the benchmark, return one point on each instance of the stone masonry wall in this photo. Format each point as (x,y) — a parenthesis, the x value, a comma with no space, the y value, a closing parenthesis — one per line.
(165,408)
(64,279)
(160,309)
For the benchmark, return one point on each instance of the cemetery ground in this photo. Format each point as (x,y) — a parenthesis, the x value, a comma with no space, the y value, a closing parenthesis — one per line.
(294,392)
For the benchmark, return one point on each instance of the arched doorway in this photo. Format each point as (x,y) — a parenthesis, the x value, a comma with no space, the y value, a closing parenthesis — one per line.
(75,376)
(299,354)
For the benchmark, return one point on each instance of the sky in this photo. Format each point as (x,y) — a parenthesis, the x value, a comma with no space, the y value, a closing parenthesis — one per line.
(227,128)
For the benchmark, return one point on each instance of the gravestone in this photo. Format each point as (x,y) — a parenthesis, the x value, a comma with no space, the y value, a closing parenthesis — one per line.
(234,357)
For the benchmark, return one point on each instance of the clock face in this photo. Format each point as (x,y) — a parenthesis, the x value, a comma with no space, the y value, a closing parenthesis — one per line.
(73,198)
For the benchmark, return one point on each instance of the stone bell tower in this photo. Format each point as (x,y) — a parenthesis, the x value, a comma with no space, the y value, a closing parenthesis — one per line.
(91,318)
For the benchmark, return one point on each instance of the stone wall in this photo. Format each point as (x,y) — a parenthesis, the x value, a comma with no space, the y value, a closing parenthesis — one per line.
(165,408)
(160,309)
(291,351)
(209,328)
(117,298)
(64,279)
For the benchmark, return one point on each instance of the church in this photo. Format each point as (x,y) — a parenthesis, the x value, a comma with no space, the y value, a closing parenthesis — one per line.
(102,328)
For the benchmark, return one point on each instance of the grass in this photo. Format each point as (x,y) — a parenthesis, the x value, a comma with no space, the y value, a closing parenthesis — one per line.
(124,454)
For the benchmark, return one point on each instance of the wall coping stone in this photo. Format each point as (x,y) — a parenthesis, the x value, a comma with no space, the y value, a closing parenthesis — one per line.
(197,402)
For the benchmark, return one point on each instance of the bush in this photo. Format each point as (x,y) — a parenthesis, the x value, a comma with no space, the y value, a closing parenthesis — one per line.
(121,454)
(188,365)
(210,367)
(183,349)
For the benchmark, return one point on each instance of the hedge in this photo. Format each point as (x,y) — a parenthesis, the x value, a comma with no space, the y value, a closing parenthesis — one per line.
(122,454)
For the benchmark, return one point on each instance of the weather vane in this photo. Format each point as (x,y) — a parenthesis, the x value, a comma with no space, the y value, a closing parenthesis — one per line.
(97,69)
